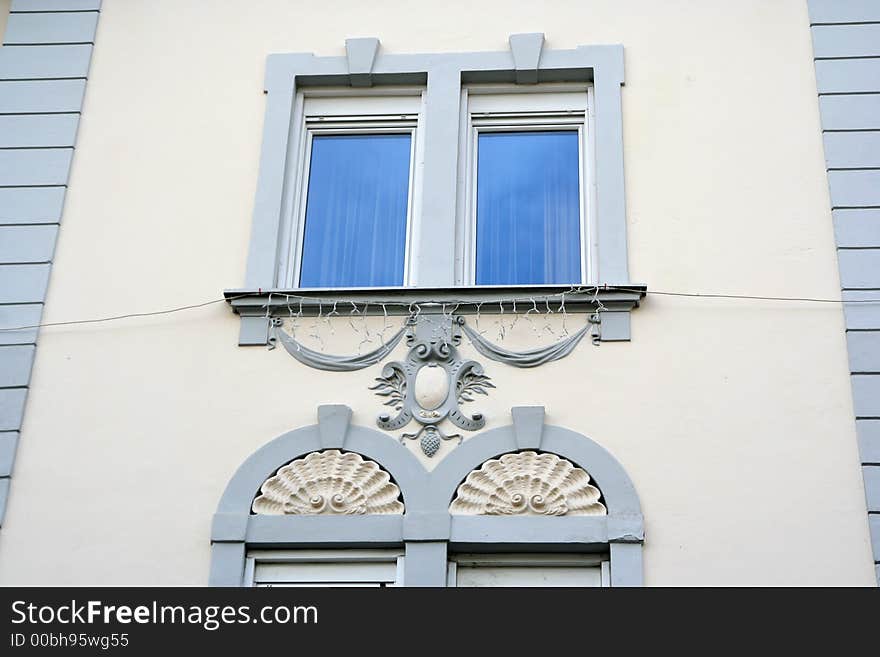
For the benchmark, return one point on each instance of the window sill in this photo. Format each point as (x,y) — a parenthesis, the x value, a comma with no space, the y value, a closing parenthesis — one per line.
(613,303)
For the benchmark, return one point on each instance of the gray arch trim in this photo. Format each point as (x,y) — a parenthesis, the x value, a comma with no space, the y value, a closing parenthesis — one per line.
(426,526)
(616,486)
(400,463)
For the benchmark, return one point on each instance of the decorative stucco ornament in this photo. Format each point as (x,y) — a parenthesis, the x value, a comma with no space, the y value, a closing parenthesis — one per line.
(329,482)
(528,483)
(431,383)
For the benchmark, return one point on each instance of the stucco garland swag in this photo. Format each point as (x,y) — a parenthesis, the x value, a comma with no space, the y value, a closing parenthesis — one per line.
(328,362)
(334,363)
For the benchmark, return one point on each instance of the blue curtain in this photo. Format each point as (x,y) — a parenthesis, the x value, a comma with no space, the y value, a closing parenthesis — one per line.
(528,208)
(355,225)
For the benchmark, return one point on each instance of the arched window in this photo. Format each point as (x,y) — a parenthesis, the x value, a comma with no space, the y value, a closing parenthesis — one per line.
(339,504)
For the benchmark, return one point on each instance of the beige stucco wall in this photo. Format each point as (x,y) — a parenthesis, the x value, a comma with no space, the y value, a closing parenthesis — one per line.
(733,418)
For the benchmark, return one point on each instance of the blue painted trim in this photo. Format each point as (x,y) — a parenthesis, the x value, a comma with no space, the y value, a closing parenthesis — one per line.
(846,43)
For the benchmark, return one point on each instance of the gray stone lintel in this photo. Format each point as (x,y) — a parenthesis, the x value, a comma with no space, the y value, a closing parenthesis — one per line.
(256,305)
(529,530)
(229,527)
(426,526)
(626,529)
(324,530)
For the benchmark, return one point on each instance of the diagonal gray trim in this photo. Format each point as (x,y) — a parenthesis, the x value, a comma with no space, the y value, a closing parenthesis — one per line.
(39,115)
(427,527)
(847,67)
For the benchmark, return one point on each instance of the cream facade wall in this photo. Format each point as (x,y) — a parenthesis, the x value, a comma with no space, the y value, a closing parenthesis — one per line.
(733,418)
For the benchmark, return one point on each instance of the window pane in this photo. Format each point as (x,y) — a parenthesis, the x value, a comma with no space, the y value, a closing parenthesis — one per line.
(355,227)
(528,208)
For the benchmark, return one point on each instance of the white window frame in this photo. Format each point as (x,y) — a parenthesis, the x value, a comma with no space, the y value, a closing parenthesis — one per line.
(537,108)
(344,111)
(530,560)
(346,567)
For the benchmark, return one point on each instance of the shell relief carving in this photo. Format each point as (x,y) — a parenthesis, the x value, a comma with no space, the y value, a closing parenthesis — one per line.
(329,482)
(528,483)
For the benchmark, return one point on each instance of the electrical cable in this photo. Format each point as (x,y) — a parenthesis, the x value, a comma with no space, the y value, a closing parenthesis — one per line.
(592,290)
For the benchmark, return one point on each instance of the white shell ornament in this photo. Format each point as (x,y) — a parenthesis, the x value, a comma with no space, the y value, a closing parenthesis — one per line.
(528,483)
(432,386)
(329,482)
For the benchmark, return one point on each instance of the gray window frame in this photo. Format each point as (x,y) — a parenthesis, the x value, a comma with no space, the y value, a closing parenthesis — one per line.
(426,530)
(443,76)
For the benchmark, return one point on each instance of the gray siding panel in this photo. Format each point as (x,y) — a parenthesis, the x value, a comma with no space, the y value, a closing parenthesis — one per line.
(25,205)
(55,5)
(869,440)
(852,150)
(8,444)
(41,96)
(857,228)
(835,76)
(863,315)
(13,316)
(859,268)
(41,166)
(23,283)
(38,130)
(854,188)
(30,62)
(11,408)
(872,486)
(853,112)
(4,498)
(839,11)
(846,40)
(51,28)
(874,525)
(846,47)
(864,351)
(866,395)
(19,244)
(43,65)
(15,366)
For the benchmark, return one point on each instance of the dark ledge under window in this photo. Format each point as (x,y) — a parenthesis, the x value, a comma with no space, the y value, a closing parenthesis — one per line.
(612,304)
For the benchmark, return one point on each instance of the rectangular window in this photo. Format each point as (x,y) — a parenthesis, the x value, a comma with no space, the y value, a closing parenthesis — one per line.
(527,217)
(528,208)
(355,198)
(356,211)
